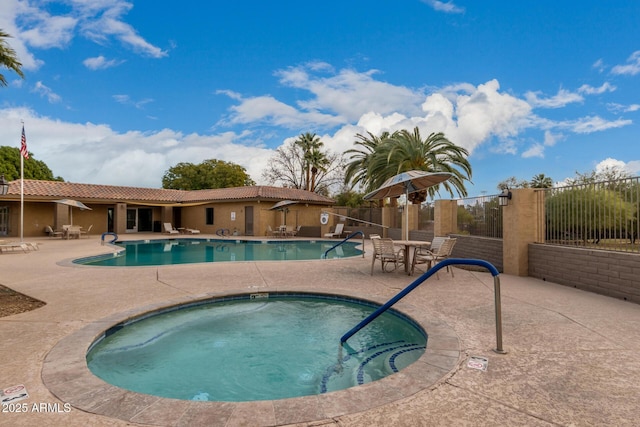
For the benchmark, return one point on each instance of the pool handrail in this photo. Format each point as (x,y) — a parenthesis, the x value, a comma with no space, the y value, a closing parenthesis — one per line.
(355,233)
(451,261)
(108,233)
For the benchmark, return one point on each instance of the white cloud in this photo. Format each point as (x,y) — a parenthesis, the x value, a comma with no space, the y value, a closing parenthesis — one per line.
(550,138)
(619,108)
(590,90)
(94,153)
(349,93)
(592,124)
(32,26)
(46,92)
(536,150)
(632,168)
(268,110)
(126,100)
(562,98)
(599,65)
(632,67)
(100,63)
(447,7)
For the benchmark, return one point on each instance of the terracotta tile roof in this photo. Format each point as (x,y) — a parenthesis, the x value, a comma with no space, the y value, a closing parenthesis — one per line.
(51,190)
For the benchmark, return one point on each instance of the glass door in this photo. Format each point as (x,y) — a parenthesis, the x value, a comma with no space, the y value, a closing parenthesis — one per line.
(132,220)
(4,220)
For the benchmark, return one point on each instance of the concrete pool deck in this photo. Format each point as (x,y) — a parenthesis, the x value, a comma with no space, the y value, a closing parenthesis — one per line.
(572,356)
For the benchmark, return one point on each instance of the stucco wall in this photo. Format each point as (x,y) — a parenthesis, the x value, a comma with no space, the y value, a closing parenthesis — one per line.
(615,274)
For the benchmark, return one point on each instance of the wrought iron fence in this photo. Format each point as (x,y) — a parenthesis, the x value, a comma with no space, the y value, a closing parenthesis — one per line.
(602,215)
(360,216)
(480,216)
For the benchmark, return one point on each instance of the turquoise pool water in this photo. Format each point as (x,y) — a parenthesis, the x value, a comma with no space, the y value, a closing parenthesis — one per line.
(186,251)
(255,347)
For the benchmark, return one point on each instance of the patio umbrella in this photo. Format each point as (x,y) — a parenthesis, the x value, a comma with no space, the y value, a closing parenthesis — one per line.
(284,207)
(73,204)
(407,183)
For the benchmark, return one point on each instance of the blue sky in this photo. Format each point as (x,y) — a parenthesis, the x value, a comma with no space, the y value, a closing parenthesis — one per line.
(117,92)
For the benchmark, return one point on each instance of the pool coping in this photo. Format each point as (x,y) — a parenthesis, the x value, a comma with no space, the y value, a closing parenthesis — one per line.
(67,376)
(112,249)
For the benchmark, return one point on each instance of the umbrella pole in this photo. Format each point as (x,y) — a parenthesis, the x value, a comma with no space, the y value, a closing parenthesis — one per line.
(406,216)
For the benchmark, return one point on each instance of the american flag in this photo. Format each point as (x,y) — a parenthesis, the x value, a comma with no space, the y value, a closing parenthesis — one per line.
(23,145)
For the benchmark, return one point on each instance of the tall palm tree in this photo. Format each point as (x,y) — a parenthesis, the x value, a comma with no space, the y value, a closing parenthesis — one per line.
(310,144)
(318,161)
(8,58)
(541,181)
(404,151)
(356,171)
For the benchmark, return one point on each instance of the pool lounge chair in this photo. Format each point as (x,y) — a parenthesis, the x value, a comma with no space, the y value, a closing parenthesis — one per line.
(191,231)
(5,246)
(339,230)
(53,233)
(168,228)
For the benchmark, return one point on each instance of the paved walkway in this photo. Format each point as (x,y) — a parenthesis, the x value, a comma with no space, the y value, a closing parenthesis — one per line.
(572,356)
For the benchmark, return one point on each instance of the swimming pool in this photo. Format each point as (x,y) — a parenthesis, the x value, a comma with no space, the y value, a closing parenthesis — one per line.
(188,250)
(255,347)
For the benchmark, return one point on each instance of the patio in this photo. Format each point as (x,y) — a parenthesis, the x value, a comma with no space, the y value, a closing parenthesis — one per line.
(572,355)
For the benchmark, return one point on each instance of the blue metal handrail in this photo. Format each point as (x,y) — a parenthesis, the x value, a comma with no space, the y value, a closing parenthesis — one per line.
(355,233)
(452,261)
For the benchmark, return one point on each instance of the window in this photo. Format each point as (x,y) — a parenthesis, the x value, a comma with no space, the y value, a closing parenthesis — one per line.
(209,216)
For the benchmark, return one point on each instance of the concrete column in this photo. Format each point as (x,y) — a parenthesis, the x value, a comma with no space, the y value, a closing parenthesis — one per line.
(522,220)
(120,218)
(387,217)
(445,217)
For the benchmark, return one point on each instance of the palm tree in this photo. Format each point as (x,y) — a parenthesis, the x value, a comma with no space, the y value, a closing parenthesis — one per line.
(8,58)
(318,161)
(541,181)
(356,171)
(404,151)
(310,144)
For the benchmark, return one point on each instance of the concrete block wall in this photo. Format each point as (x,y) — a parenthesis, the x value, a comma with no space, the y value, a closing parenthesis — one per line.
(615,274)
(475,247)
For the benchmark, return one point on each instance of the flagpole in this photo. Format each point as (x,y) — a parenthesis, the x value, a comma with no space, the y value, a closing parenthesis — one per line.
(22,193)
(23,153)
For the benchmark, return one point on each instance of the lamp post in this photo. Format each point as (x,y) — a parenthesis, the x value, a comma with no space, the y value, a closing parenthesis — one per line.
(4,186)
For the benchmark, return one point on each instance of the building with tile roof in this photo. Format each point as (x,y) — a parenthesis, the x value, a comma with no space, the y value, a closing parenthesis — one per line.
(119,209)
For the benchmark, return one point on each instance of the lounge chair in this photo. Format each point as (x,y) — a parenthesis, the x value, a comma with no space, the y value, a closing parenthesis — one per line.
(339,230)
(434,255)
(4,246)
(53,233)
(192,231)
(168,228)
(385,251)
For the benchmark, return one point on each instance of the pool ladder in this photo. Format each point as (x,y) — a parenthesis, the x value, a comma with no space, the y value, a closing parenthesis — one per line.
(452,261)
(350,236)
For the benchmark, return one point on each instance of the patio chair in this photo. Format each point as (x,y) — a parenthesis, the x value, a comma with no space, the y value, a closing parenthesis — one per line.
(385,251)
(53,233)
(294,231)
(87,231)
(434,255)
(192,231)
(168,228)
(337,232)
(271,231)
